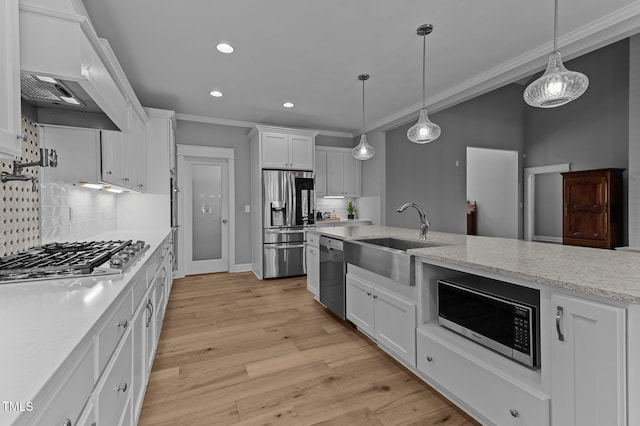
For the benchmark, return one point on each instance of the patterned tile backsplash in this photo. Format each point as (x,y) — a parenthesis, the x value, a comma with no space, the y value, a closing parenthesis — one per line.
(20,210)
(72,213)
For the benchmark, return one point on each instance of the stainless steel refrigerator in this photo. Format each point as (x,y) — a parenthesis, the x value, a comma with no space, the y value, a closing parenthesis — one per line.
(288,206)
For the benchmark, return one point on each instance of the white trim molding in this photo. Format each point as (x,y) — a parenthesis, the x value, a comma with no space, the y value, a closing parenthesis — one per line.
(241,267)
(205,151)
(529,199)
(250,124)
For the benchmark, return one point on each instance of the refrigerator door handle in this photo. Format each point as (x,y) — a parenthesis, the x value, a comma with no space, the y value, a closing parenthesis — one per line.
(284,246)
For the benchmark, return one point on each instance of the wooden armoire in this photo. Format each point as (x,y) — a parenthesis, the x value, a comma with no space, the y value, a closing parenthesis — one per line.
(592,204)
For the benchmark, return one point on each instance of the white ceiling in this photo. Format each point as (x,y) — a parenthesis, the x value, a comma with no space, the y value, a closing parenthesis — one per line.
(310,52)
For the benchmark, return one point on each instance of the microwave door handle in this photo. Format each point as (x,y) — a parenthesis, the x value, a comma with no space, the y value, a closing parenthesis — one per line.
(559,314)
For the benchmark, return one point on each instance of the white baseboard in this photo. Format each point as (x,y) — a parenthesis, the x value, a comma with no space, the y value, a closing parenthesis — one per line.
(242,267)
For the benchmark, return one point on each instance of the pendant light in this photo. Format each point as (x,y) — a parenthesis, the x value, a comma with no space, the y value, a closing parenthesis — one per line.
(557,86)
(424,131)
(363,151)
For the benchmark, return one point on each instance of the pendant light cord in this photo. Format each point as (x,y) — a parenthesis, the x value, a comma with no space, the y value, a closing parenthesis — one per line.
(363,106)
(555,28)
(424,74)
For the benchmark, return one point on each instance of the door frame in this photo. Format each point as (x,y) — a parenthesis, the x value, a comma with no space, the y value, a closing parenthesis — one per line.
(529,200)
(184,152)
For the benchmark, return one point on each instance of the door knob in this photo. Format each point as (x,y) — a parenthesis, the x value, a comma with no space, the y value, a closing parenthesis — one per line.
(224,220)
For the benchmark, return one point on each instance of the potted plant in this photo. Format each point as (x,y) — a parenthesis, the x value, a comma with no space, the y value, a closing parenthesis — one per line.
(351,210)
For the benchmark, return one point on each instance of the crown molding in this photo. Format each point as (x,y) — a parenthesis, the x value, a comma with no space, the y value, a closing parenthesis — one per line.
(250,124)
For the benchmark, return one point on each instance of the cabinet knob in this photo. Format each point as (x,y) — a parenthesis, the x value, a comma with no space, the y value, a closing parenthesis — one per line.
(429,358)
(140,185)
(514,412)
(126,179)
(67,422)
(108,172)
(123,324)
(22,136)
(368,293)
(122,388)
(375,296)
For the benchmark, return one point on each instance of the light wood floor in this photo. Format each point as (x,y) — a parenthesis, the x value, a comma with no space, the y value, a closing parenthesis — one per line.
(236,350)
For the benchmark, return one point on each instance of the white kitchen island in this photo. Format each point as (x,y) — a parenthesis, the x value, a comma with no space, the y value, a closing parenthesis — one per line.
(63,342)
(590,378)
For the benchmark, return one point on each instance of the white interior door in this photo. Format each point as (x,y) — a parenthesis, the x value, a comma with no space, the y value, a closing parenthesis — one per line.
(206,218)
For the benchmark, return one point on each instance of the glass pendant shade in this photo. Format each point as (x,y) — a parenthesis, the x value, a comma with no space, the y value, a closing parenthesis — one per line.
(424,131)
(557,86)
(363,151)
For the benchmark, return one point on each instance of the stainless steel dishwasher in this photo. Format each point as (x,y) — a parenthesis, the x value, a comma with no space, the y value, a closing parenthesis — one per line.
(332,285)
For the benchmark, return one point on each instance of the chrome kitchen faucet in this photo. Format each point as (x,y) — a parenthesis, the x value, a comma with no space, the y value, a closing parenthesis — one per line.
(424,222)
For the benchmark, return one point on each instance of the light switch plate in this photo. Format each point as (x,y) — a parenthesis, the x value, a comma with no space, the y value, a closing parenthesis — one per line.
(247,208)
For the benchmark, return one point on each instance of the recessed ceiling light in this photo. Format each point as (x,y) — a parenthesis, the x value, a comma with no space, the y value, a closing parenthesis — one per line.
(216,93)
(288,105)
(225,48)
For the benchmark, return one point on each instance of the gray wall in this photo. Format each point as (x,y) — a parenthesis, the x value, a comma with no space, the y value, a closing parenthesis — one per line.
(428,174)
(335,141)
(204,134)
(591,132)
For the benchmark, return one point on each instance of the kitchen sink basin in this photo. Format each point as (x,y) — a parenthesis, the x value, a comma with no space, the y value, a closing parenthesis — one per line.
(398,243)
(385,256)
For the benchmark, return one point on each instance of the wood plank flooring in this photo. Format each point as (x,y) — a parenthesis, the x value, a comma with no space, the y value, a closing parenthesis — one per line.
(238,351)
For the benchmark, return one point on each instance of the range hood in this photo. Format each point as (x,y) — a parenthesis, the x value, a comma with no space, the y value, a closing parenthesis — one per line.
(69,74)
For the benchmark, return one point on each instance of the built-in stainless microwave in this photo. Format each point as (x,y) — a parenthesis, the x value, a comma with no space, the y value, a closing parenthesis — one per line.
(499,315)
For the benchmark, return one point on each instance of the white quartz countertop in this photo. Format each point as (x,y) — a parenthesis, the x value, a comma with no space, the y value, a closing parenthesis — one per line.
(607,273)
(44,321)
(342,222)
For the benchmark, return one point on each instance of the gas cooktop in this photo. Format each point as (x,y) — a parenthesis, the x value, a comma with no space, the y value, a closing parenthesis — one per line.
(72,259)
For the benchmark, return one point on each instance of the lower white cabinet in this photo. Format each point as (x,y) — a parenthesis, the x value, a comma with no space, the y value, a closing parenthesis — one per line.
(313,265)
(389,319)
(497,399)
(588,363)
(114,389)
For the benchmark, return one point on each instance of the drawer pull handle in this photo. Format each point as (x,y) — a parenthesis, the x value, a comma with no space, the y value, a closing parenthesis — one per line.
(429,358)
(559,314)
(122,388)
(375,296)
(67,422)
(514,412)
(123,324)
(368,293)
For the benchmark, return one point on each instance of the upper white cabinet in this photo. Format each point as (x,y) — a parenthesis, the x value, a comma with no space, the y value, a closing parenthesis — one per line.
(588,363)
(282,148)
(321,173)
(10,131)
(341,174)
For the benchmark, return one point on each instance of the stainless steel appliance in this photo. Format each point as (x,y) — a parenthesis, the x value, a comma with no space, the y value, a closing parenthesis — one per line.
(288,206)
(72,259)
(501,316)
(332,276)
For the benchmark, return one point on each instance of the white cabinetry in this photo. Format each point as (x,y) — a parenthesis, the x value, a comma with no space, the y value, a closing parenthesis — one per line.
(313,264)
(494,397)
(10,130)
(320,173)
(588,363)
(389,319)
(113,392)
(339,173)
(282,148)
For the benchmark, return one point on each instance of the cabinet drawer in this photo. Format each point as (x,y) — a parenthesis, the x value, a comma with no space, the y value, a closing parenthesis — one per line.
(313,240)
(72,396)
(112,331)
(112,394)
(494,397)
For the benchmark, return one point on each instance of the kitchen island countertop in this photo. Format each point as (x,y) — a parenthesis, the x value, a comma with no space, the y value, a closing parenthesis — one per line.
(606,273)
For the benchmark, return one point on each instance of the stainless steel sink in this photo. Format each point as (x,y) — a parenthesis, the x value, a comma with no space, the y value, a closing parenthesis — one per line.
(385,256)
(397,243)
